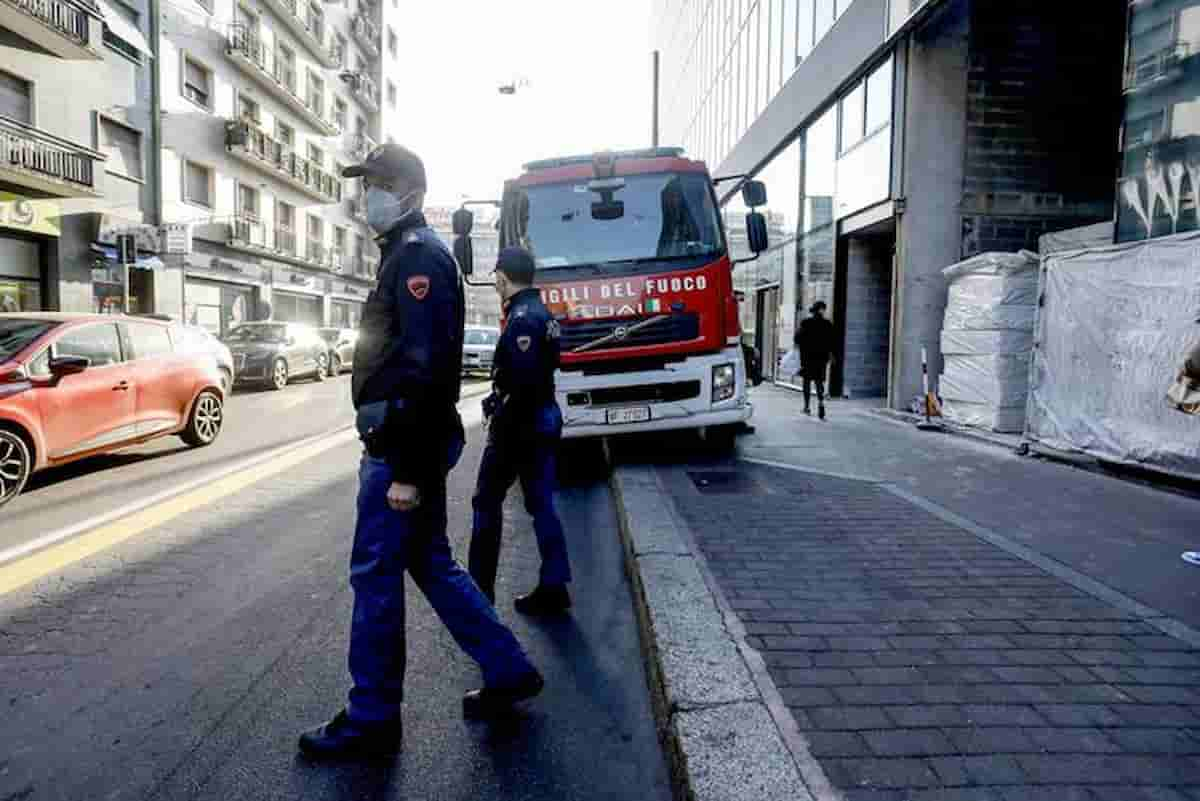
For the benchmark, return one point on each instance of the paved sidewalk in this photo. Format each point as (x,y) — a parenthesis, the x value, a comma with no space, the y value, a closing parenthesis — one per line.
(918,654)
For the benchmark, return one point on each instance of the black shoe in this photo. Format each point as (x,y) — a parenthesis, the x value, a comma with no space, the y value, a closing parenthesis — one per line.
(491,702)
(821,411)
(807,411)
(342,738)
(545,600)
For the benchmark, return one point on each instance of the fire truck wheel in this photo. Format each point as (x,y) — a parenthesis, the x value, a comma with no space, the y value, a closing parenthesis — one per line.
(721,439)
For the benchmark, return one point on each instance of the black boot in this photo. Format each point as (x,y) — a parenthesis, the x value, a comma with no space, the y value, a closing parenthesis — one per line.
(821,411)
(545,600)
(342,738)
(490,702)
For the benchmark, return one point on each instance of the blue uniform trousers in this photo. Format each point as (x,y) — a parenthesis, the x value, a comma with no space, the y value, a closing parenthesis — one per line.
(530,455)
(388,543)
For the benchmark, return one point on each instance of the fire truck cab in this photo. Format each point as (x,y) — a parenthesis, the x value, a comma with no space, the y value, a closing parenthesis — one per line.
(633,262)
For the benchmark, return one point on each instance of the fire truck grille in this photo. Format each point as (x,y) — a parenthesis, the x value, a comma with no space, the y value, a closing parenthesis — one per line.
(676,328)
(641,393)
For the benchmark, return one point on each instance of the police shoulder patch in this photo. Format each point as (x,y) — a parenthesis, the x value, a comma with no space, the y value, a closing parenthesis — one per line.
(418,286)
(523,342)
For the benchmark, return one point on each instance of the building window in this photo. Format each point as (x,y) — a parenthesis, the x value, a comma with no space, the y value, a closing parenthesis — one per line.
(340,48)
(249,110)
(393,42)
(1157,194)
(338,256)
(340,113)
(316,93)
(316,155)
(123,146)
(285,230)
(316,239)
(16,98)
(248,205)
(197,83)
(879,97)
(123,46)
(391,92)
(197,184)
(853,110)
(285,67)
(286,134)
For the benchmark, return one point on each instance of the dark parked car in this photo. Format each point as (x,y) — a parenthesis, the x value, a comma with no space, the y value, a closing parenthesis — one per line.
(272,354)
(341,348)
(74,385)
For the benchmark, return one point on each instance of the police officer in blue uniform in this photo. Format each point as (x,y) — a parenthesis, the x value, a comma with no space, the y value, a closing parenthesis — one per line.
(407,373)
(525,425)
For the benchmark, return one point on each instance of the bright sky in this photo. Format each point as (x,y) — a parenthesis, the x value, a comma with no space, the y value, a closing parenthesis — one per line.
(588,65)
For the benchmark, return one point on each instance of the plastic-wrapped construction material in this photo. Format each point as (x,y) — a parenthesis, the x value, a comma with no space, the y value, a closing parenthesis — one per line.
(1089,236)
(987,335)
(1116,325)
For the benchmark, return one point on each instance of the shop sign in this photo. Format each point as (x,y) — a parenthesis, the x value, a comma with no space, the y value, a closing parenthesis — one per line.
(177,238)
(146,236)
(34,216)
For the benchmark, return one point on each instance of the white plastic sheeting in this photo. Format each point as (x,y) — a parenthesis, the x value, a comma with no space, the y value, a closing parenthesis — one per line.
(987,336)
(1113,332)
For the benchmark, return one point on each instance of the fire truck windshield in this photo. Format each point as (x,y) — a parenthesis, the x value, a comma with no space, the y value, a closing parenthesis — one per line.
(638,218)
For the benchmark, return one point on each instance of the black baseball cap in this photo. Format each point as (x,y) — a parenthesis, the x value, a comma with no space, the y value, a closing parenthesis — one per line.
(517,264)
(390,161)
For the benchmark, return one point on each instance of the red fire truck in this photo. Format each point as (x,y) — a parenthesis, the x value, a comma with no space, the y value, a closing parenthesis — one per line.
(633,262)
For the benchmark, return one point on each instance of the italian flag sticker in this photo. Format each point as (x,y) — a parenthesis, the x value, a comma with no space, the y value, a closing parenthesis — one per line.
(653,305)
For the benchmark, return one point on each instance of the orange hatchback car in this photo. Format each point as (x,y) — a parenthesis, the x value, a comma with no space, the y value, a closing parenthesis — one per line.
(74,385)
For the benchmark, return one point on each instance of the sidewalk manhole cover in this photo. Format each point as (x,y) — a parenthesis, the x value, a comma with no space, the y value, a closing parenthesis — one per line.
(724,482)
(1191,557)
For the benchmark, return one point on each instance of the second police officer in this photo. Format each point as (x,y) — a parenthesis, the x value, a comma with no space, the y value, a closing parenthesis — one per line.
(525,426)
(407,373)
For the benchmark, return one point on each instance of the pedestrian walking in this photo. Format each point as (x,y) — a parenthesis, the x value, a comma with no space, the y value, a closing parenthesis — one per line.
(405,385)
(524,429)
(814,340)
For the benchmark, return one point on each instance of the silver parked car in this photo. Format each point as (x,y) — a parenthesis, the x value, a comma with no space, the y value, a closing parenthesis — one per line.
(479,346)
(341,348)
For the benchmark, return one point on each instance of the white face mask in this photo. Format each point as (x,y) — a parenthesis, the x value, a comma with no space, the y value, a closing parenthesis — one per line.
(385,211)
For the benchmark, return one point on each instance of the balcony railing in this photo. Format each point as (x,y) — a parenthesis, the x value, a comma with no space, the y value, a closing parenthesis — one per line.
(308,28)
(316,252)
(254,145)
(248,51)
(248,231)
(367,35)
(61,27)
(1157,66)
(39,160)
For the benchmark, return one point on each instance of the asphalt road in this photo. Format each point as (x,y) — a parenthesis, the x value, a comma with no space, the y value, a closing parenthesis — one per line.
(256,421)
(182,662)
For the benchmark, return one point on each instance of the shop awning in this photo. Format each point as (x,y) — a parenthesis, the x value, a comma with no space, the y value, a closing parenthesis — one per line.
(121,27)
(143,262)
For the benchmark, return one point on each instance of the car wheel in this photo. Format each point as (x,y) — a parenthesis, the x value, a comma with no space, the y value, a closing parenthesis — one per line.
(226,382)
(335,365)
(322,368)
(16,465)
(208,413)
(279,374)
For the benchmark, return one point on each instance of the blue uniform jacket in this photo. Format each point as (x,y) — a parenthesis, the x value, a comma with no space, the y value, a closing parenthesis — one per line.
(409,350)
(526,357)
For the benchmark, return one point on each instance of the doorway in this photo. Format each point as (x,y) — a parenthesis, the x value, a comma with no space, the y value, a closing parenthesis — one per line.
(766,330)
(862,311)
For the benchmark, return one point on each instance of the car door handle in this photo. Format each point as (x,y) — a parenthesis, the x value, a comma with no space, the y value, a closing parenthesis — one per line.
(122,387)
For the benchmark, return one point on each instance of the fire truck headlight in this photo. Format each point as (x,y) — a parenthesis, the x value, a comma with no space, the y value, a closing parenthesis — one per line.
(724,382)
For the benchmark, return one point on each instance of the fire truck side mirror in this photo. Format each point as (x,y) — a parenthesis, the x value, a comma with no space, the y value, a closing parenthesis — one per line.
(464,254)
(756,232)
(754,194)
(462,221)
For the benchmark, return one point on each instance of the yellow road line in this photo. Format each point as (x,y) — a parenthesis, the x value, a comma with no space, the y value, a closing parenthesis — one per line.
(42,563)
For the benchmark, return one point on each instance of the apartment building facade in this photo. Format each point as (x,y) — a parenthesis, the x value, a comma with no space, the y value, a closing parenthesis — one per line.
(263,103)
(896,137)
(76,166)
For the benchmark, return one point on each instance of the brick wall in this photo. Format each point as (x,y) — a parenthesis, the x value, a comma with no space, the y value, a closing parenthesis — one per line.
(1043,109)
(868,316)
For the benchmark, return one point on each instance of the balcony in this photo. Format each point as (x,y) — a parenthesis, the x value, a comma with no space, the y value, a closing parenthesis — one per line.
(367,35)
(247,232)
(309,28)
(247,51)
(61,27)
(36,159)
(366,92)
(1158,68)
(285,241)
(316,252)
(249,144)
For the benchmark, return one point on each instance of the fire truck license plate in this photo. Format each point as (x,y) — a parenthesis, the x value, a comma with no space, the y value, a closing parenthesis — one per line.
(635,414)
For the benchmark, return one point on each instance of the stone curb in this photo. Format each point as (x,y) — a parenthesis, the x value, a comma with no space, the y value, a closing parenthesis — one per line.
(721,733)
